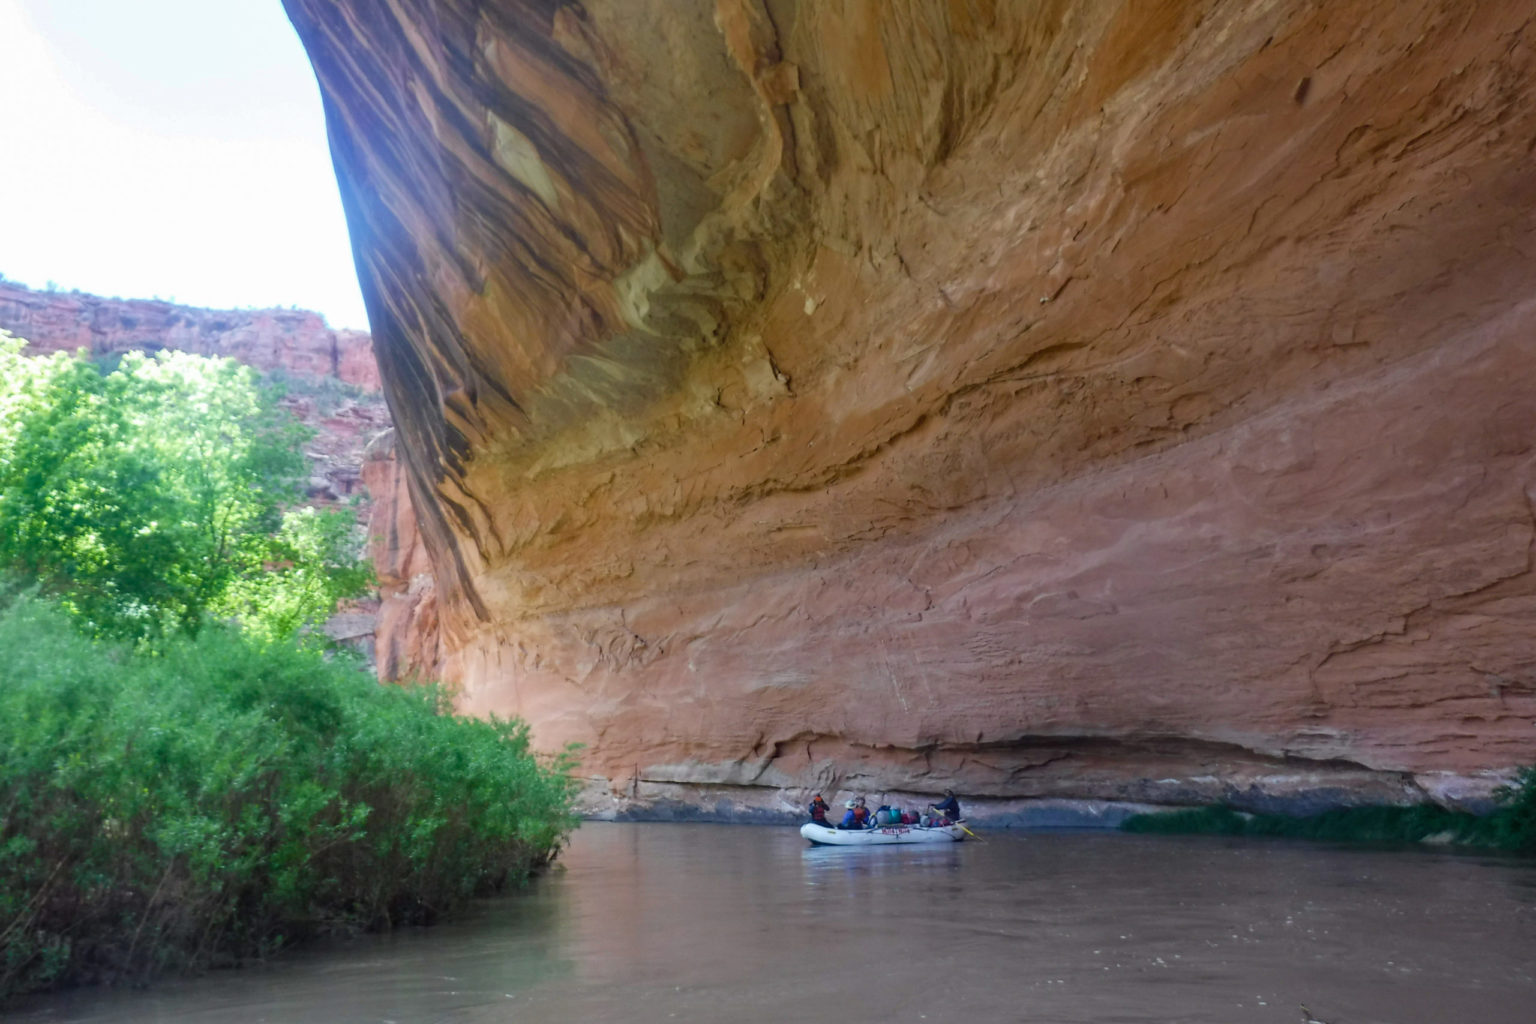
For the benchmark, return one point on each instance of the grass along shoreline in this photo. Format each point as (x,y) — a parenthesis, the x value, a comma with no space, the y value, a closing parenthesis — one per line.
(1510,827)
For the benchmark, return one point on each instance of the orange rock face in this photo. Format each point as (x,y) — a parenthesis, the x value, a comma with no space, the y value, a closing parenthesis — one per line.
(1105,400)
(407,641)
(293,341)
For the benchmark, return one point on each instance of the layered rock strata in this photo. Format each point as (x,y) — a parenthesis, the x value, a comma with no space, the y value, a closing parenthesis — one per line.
(1095,400)
(294,342)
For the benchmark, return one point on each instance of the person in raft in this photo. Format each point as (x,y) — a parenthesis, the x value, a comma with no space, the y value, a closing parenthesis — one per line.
(948,808)
(857,816)
(819,811)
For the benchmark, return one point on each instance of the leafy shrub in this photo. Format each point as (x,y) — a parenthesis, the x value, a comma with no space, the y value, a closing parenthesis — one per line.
(1209,821)
(1513,826)
(224,796)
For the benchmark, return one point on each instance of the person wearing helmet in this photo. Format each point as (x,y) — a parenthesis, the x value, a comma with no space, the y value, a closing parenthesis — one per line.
(819,811)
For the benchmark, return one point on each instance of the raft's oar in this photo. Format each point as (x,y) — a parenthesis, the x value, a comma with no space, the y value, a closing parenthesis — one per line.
(973,835)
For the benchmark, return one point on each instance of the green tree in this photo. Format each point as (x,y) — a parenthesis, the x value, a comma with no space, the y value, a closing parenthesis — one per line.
(150,496)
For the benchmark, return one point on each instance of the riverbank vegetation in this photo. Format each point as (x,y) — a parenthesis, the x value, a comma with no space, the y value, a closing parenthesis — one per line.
(190,773)
(1511,826)
(222,796)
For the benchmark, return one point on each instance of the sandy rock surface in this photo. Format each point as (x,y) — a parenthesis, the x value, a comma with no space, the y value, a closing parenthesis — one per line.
(1091,400)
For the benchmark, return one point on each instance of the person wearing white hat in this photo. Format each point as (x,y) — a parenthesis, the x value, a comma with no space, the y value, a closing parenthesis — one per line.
(857,816)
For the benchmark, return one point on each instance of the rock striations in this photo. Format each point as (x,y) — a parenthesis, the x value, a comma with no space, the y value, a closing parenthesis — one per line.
(1109,400)
(294,342)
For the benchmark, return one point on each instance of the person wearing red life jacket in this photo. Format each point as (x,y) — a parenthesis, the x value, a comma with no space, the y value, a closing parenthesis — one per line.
(857,816)
(819,811)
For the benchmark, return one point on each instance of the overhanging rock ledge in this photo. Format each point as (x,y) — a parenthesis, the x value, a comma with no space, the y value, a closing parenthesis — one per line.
(1097,400)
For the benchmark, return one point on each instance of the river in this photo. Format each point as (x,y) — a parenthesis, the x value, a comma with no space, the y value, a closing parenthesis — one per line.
(723,923)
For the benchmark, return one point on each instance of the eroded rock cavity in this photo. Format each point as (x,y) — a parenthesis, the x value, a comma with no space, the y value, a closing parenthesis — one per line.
(1105,400)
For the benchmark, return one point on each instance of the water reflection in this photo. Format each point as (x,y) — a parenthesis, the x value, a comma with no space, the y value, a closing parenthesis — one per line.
(726,924)
(825,865)
(498,949)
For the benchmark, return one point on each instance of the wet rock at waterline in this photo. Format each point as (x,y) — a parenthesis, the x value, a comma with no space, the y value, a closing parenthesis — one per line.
(1104,400)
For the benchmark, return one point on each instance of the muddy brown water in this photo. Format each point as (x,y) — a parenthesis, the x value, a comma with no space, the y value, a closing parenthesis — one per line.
(724,923)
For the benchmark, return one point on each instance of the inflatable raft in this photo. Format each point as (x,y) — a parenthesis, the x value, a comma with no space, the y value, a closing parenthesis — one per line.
(881,835)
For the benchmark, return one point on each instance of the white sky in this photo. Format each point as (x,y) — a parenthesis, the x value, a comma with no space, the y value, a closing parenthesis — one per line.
(171,148)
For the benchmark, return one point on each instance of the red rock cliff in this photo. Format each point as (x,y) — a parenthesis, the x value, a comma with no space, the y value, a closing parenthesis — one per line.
(1057,398)
(292,341)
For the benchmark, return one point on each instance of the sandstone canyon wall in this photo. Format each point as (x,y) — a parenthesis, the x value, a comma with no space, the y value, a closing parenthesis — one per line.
(1111,400)
(290,341)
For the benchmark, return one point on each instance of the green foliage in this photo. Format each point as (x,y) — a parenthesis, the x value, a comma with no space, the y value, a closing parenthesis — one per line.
(1511,826)
(175,792)
(151,494)
(1210,821)
(223,796)
(309,565)
(328,393)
